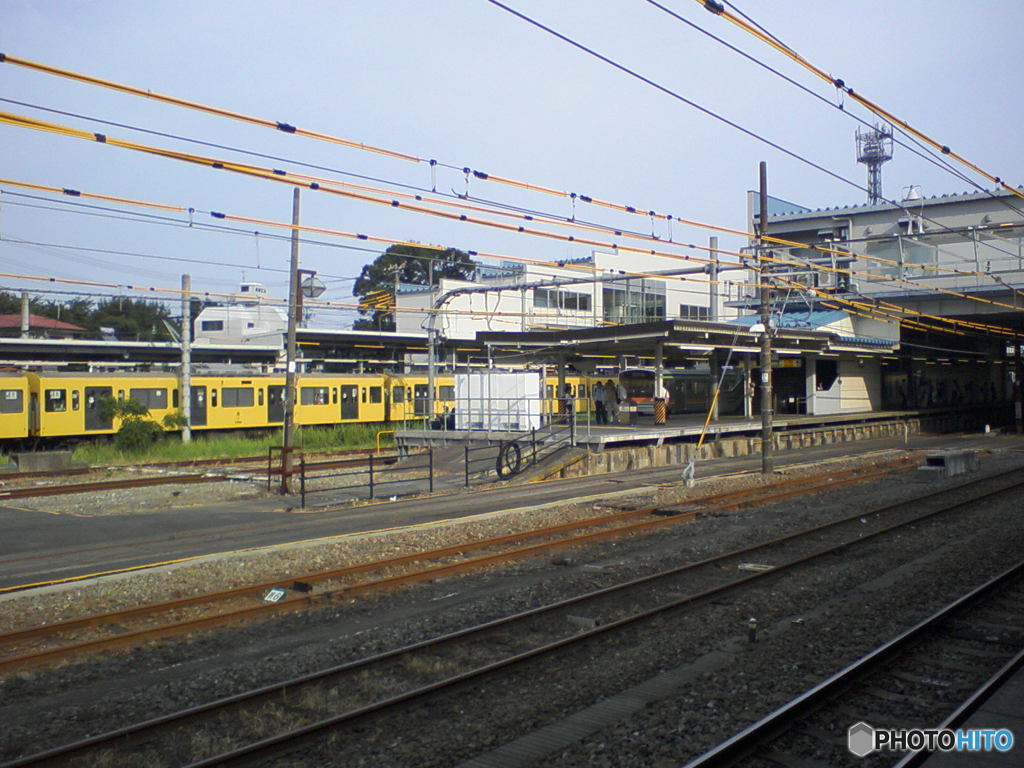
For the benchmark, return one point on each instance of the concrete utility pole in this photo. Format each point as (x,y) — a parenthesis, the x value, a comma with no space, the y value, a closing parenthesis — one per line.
(290,362)
(186,359)
(766,337)
(26,315)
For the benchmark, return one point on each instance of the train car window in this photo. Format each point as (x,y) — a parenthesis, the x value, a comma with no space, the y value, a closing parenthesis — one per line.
(120,395)
(56,401)
(11,401)
(364,394)
(447,392)
(213,398)
(583,390)
(314,395)
(175,398)
(74,400)
(549,390)
(376,394)
(259,396)
(238,397)
(398,394)
(149,397)
(334,395)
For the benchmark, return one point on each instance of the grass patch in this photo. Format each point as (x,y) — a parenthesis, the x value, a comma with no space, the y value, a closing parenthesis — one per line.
(228,446)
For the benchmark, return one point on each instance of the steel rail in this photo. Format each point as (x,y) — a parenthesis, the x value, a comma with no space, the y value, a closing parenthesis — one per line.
(138,731)
(748,741)
(286,742)
(142,482)
(720,502)
(971,705)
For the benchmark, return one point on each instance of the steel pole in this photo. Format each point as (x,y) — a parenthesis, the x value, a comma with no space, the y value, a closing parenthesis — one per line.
(766,337)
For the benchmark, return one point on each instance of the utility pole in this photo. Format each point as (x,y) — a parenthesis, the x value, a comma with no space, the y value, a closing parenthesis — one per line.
(766,337)
(186,359)
(290,362)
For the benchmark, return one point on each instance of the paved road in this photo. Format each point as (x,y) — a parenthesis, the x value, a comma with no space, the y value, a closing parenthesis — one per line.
(37,547)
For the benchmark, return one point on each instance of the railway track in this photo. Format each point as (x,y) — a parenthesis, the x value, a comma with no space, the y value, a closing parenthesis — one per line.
(934,675)
(96,486)
(61,641)
(402,679)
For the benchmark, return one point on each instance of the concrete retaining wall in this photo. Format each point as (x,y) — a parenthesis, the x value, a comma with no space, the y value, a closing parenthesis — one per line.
(669,454)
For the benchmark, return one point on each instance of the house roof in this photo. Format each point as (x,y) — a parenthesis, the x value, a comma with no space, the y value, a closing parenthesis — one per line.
(38,321)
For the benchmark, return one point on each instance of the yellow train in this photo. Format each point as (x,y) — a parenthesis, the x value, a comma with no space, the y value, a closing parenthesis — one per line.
(48,405)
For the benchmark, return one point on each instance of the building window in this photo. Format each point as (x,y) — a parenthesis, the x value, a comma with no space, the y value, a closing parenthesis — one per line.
(555,299)
(693,312)
(212,325)
(634,301)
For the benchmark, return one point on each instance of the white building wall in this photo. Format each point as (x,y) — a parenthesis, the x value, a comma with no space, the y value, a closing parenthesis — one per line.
(513,308)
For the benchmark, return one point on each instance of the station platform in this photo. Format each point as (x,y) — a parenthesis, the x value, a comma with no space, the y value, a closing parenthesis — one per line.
(688,427)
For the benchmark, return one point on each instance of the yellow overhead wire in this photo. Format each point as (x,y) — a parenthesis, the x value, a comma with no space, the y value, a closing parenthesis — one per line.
(221,112)
(718,9)
(279,176)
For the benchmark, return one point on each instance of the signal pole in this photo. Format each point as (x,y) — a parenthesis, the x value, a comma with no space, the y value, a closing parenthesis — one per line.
(290,363)
(766,337)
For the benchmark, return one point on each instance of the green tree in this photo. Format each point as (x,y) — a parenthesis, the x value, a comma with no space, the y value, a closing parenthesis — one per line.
(413,265)
(131,319)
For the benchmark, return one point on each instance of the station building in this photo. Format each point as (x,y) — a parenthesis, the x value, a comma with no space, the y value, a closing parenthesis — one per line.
(943,275)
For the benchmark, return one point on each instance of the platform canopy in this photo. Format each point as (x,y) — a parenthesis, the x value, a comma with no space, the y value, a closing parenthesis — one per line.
(680,341)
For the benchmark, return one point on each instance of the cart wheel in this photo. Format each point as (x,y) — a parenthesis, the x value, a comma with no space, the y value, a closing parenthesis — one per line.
(510,460)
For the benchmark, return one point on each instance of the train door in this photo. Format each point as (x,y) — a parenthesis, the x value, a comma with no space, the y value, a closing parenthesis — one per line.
(275,402)
(94,416)
(349,401)
(198,410)
(420,399)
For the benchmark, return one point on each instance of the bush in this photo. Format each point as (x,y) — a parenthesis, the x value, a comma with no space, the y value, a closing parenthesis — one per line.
(137,434)
(137,431)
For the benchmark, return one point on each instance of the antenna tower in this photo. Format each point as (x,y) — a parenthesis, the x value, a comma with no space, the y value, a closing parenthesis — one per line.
(874,147)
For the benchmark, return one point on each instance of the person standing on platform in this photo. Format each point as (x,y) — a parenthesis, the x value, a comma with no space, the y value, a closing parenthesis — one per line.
(611,401)
(600,412)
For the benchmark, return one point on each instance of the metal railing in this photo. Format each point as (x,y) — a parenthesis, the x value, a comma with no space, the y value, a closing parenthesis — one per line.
(372,476)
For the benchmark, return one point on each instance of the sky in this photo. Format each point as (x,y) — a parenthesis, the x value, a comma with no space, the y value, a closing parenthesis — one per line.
(467,84)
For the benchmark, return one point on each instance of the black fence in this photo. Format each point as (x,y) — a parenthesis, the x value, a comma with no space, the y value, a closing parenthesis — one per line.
(374,476)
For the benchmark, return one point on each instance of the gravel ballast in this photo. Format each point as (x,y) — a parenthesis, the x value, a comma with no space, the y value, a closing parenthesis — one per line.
(846,608)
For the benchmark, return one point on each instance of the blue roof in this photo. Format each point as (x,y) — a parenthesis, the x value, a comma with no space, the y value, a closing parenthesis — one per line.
(812,321)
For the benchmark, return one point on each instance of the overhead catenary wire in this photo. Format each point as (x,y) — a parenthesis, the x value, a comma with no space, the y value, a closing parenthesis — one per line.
(568,265)
(719,9)
(327,186)
(222,112)
(915,146)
